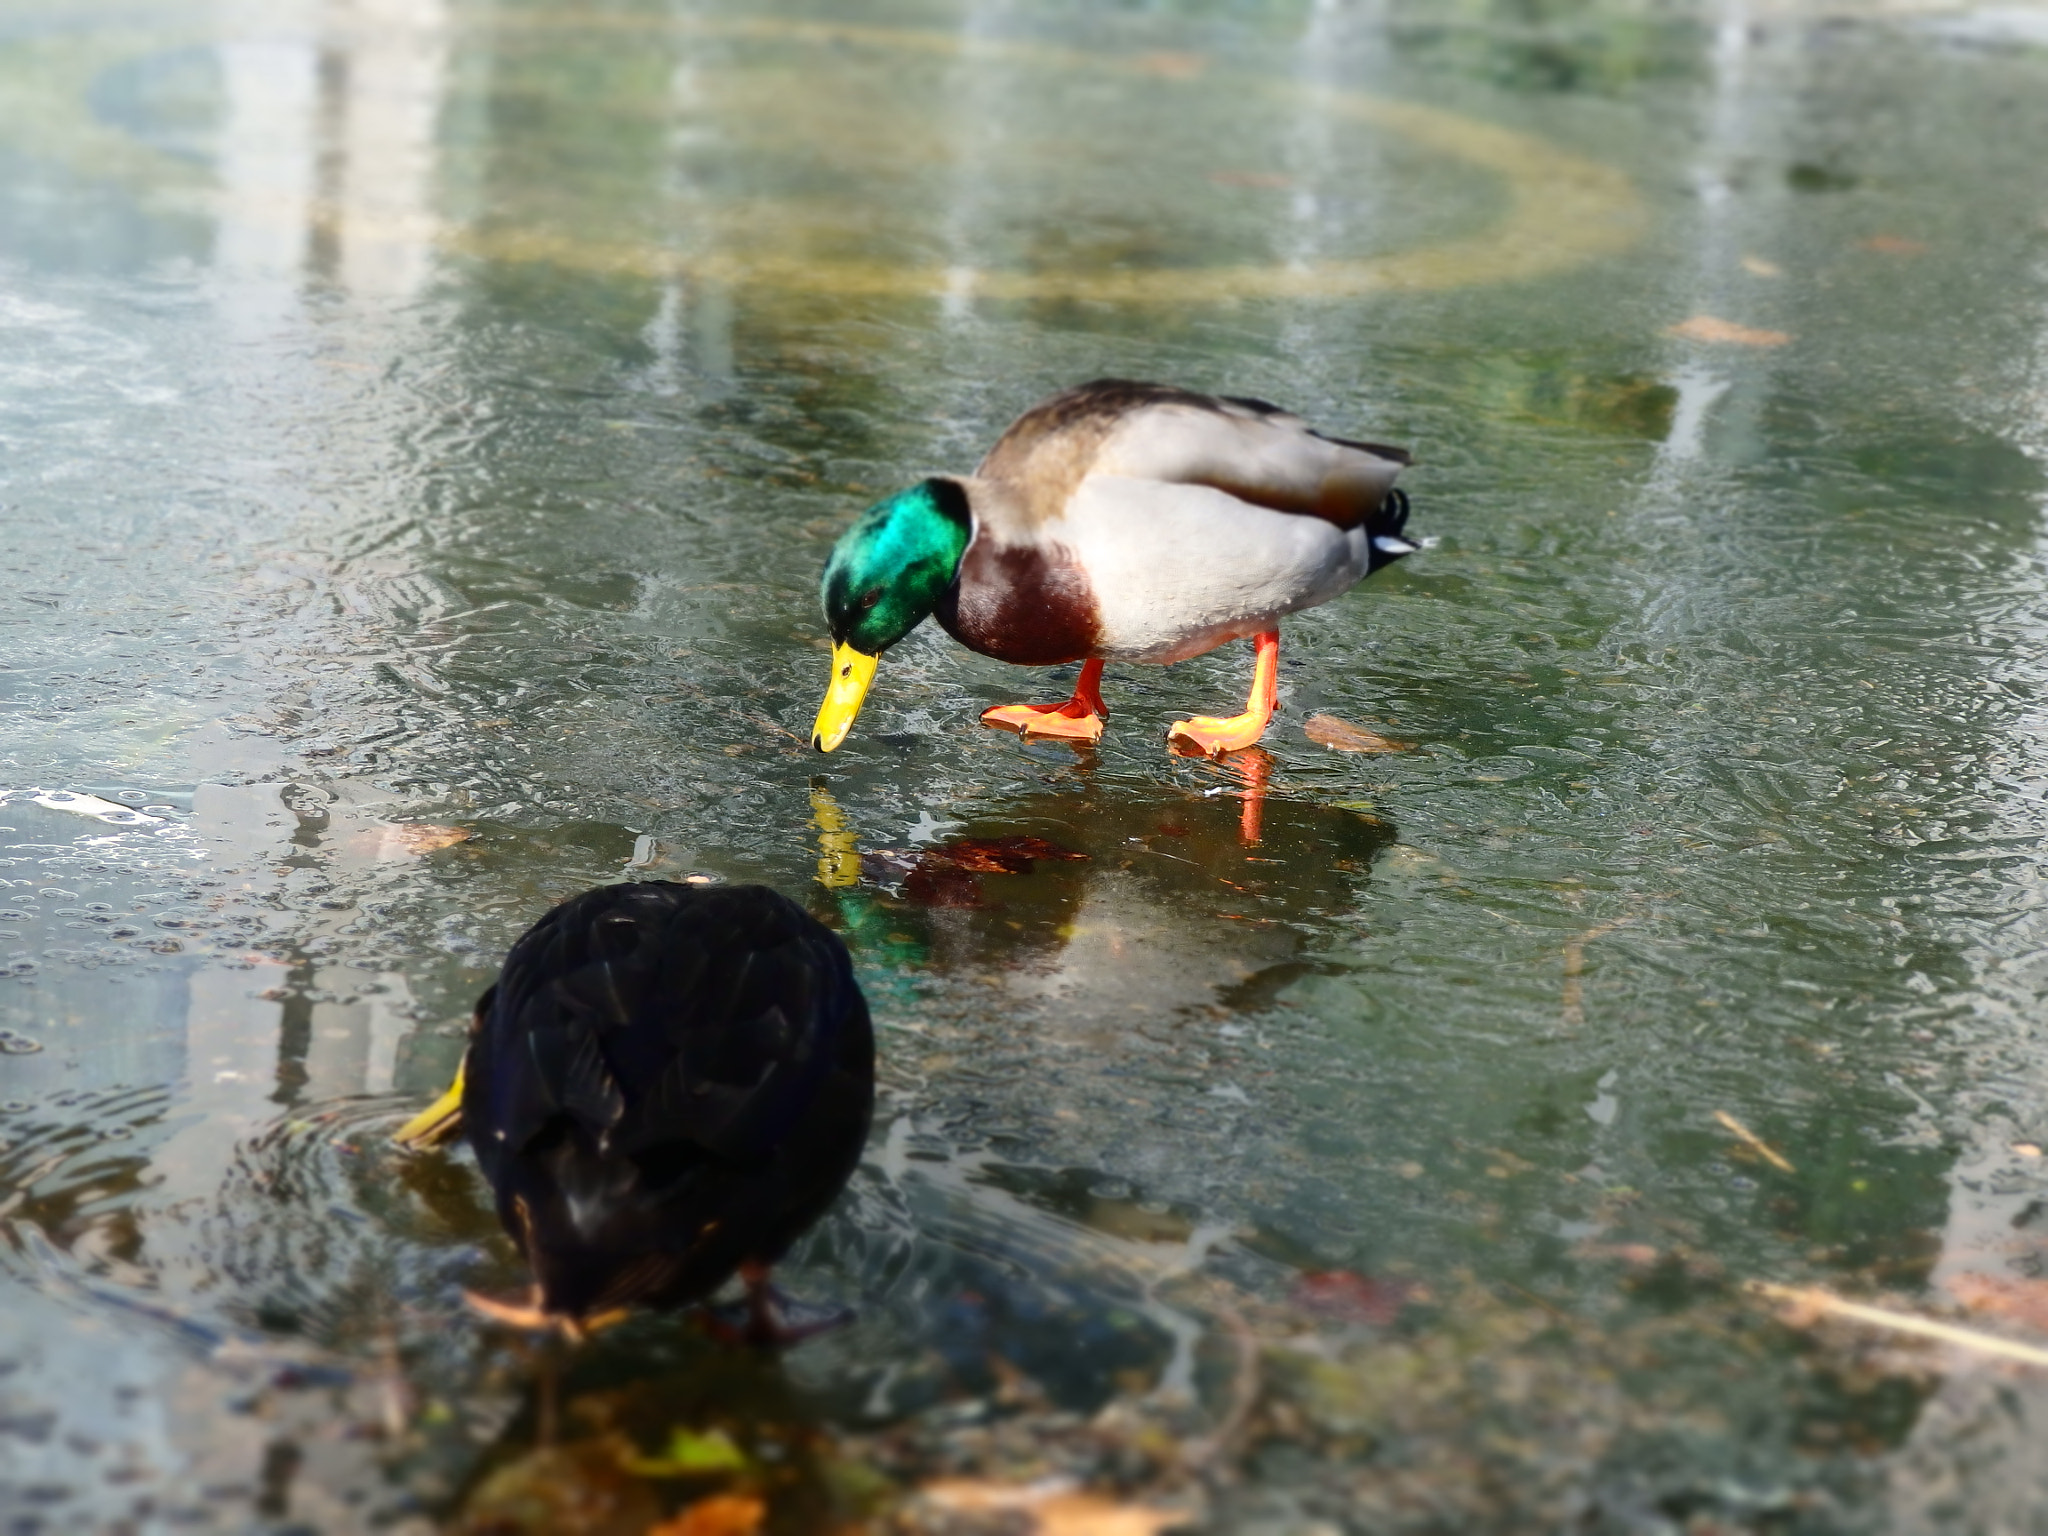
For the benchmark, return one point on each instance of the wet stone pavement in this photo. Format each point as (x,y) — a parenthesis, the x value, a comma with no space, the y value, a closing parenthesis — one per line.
(421,429)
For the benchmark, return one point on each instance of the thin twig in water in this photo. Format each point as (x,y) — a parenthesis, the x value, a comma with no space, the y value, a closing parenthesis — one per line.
(775,726)
(1809,1304)
(395,1402)
(1754,1142)
(1575,962)
(1551,1307)
(1244,1393)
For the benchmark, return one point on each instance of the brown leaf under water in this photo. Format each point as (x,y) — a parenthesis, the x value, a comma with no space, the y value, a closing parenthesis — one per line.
(1894,245)
(1636,1255)
(1055,1508)
(1343,736)
(1171,66)
(425,837)
(387,842)
(1269,180)
(559,1490)
(724,1514)
(1345,1296)
(2016,1300)
(1718,332)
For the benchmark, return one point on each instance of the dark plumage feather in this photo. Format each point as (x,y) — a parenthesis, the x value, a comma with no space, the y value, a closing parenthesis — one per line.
(667,1081)
(1387,530)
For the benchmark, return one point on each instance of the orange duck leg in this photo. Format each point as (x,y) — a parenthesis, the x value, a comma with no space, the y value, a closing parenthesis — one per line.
(1078,719)
(1211,736)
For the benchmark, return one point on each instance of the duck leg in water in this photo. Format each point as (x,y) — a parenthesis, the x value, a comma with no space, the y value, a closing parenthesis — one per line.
(767,1319)
(1210,736)
(1078,719)
(1254,766)
(531,1315)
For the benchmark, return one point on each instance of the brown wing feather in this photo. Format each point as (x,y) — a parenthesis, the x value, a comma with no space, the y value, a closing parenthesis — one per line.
(1399,456)
(1245,447)
(1047,451)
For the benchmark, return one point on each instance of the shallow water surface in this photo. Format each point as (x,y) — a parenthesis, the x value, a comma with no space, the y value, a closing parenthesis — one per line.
(421,428)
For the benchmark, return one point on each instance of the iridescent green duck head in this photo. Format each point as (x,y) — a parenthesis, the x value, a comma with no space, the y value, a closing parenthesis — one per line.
(887,573)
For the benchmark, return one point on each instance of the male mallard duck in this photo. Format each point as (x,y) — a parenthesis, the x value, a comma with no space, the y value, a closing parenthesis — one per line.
(668,1083)
(1116,521)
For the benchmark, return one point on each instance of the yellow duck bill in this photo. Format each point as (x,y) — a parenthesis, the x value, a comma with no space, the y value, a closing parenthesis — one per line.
(439,1122)
(852,671)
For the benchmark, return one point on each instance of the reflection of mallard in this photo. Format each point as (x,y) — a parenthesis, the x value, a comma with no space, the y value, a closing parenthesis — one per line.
(1123,902)
(667,1084)
(1116,521)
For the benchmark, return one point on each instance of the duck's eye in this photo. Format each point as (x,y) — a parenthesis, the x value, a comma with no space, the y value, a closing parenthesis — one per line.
(868,599)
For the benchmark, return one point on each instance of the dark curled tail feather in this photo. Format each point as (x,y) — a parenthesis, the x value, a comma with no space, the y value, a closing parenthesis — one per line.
(1392,516)
(1387,531)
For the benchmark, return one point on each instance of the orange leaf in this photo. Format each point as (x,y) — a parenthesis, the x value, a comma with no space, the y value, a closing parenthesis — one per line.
(1171,66)
(723,1514)
(1056,1507)
(1345,1296)
(2014,1299)
(1641,1255)
(1726,332)
(384,842)
(1270,180)
(1343,736)
(425,837)
(1894,245)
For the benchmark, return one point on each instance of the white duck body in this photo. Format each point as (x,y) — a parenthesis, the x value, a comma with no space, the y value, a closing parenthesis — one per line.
(1178,570)
(1139,522)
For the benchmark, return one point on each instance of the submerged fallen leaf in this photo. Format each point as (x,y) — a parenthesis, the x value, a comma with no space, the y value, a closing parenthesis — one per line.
(1757,266)
(724,1514)
(1343,736)
(1056,1508)
(690,1454)
(1268,179)
(2006,1296)
(405,840)
(1719,332)
(1639,1255)
(1894,245)
(558,1489)
(1171,66)
(1345,1296)
(425,837)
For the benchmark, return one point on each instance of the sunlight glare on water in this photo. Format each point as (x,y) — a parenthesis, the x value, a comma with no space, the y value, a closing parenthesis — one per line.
(421,429)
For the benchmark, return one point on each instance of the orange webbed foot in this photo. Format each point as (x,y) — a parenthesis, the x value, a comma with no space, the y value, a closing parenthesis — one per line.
(1078,719)
(1212,735)
(1045,720)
